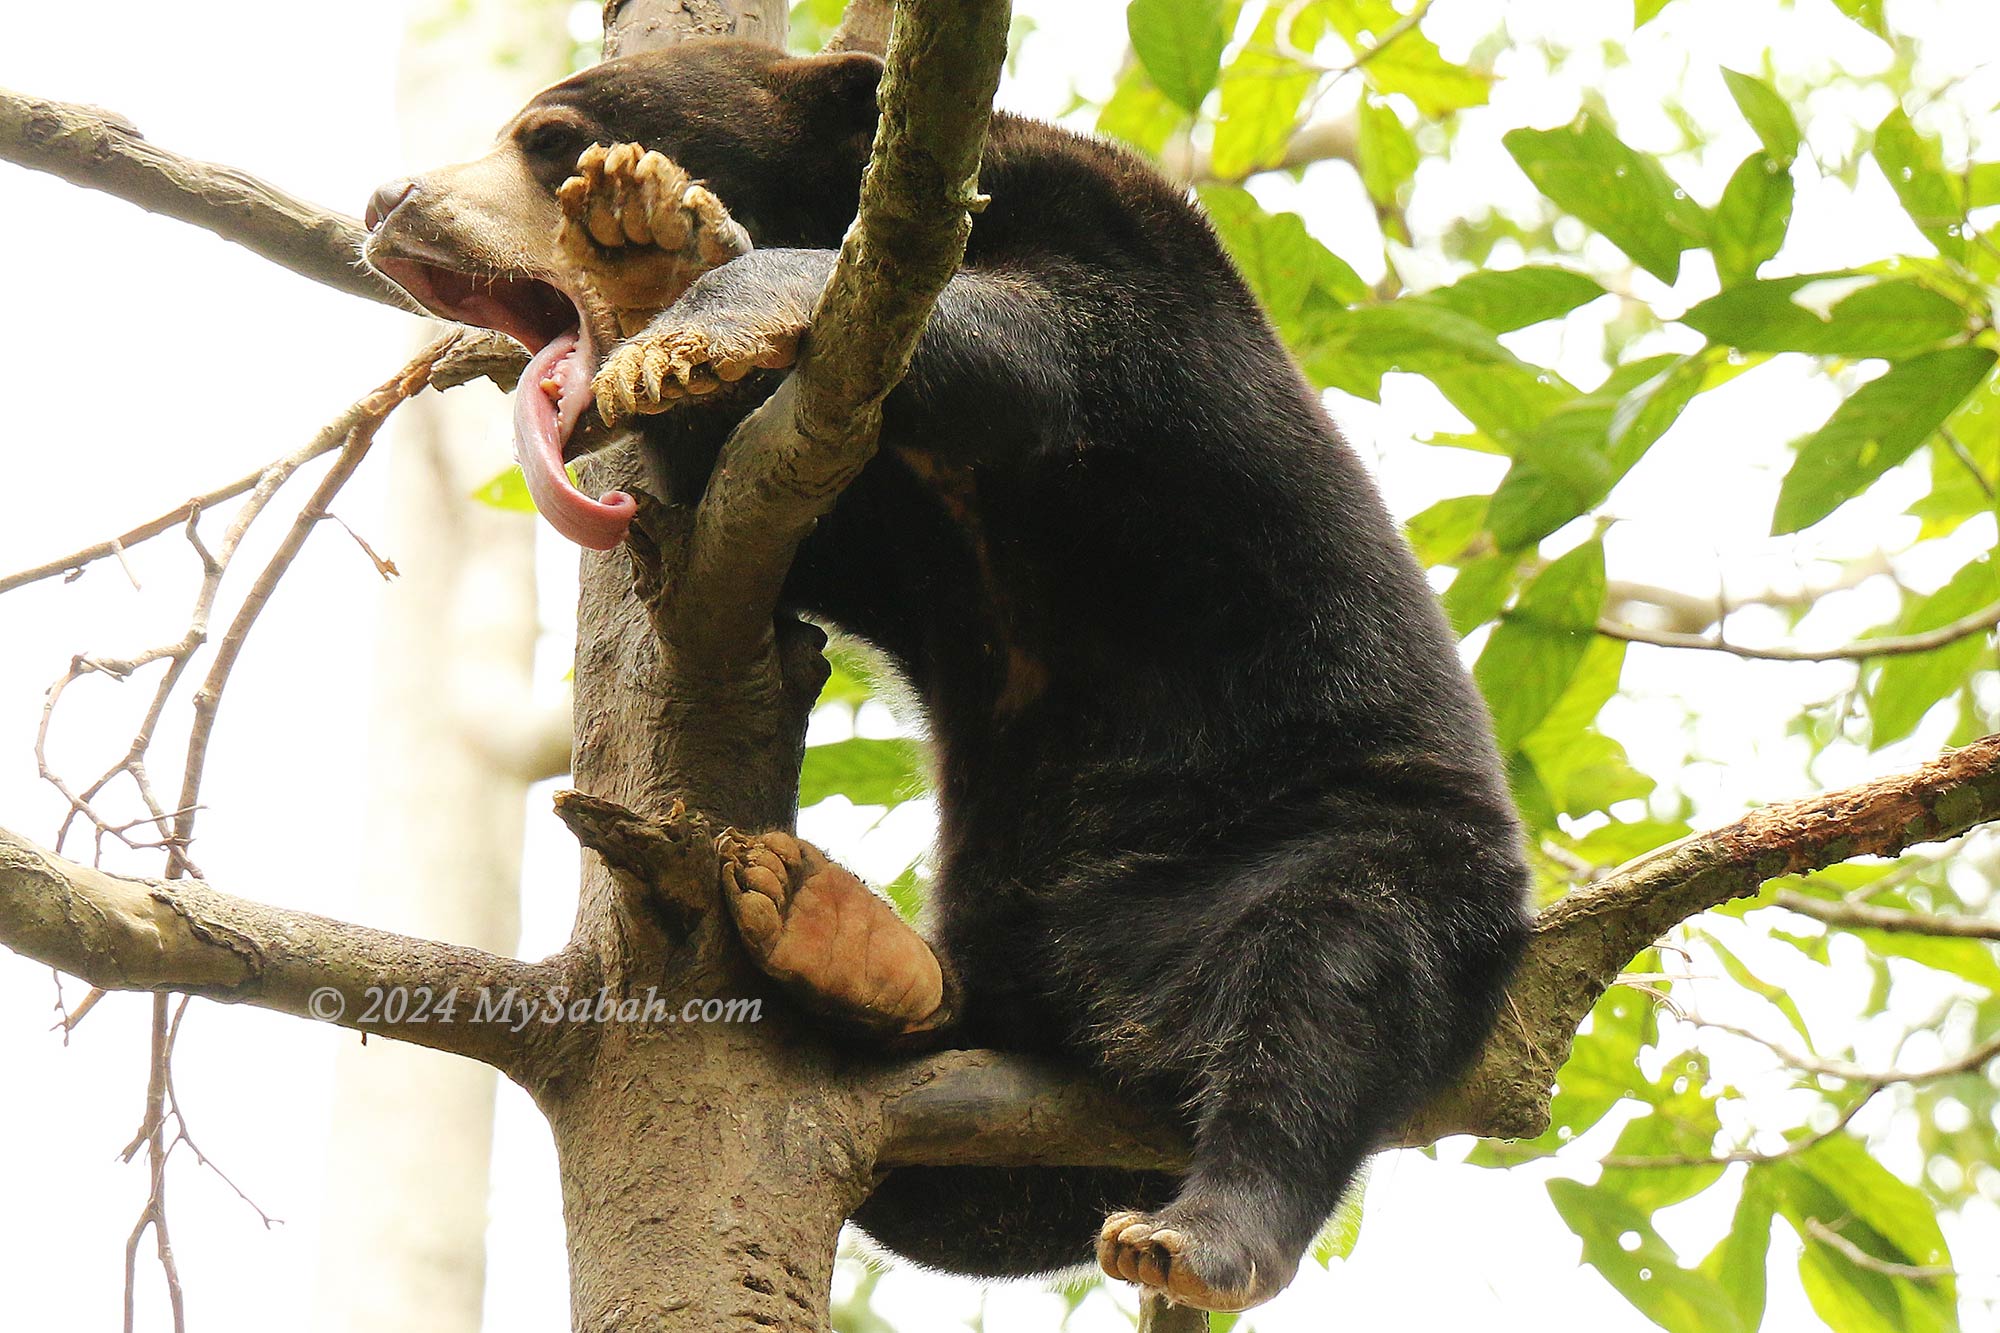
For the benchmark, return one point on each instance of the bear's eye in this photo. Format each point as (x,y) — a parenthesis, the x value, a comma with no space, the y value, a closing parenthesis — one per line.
(558,141)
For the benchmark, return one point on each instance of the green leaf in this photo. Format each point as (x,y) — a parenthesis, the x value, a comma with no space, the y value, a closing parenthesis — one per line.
(1620,1243)
(1261,93)
(507,489)
(1441,534)
(906,892)
(1503,300)
(1838,1185)
(1138,113)
(1285,265)
(1969,960)
(1934,199)
(1649,410)
(1907,687)
(1830,314)
(1769,115)
(1554,479)
(1385,152)
(1539,644)
(1872,1195)
(1582,769)
(1616,843)
(1628,196)
(1180,42)
(1777,996)
(1868,13)
(1751,218)
(1568,462)
(1963,476)
(1982,185)
(1342,1232)
(848,680)
(1878,427)
(1614,1218)
(1353,349)
(1478,592)
(1738,1262)
(1396,57)
(1645,11)
(866,772)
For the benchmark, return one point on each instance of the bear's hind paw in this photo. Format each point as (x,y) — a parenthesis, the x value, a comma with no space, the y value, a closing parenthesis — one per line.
(1169,1258)
(828,938)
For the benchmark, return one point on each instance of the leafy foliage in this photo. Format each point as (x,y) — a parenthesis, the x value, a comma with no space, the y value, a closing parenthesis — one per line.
(1678,262)
(1581,339)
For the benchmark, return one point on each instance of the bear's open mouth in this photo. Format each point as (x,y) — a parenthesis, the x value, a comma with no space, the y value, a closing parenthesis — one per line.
(554,391)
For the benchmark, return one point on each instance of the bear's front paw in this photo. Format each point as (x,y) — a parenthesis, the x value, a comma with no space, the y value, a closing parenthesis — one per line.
(640,229)
(829,939)
(679,356)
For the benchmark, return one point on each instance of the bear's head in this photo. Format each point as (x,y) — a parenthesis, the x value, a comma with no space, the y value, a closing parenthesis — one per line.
(781,140)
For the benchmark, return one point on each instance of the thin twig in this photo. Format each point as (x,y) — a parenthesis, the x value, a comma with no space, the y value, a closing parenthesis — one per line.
(1979,622)
(77,561)
(1860,1258)
(1873,1081)
(351,434)
(152,1135)
(1888,918)
(366,418)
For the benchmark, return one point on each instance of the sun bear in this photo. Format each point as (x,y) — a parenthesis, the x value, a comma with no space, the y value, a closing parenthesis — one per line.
(1220,812)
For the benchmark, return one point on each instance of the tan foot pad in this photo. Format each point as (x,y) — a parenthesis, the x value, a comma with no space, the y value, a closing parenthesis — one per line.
(1166,1259)
(827,937)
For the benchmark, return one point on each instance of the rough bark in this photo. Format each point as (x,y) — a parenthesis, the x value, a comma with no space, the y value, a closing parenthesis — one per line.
(642,25)
(707,1168)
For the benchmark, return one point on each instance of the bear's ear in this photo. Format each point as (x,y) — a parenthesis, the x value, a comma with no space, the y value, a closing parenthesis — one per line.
(844,83)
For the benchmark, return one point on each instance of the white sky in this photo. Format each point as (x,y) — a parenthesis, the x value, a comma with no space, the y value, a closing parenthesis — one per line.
(152,360)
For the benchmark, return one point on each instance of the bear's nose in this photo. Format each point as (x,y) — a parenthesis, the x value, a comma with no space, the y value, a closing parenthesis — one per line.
(383,202)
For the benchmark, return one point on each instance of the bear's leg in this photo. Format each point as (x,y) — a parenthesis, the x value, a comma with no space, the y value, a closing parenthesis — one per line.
(835,944)
(1327,989)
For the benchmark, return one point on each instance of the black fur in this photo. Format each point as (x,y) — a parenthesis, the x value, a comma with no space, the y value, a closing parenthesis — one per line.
(1221,813)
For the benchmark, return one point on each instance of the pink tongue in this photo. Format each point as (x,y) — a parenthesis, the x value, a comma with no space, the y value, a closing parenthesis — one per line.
(541,426)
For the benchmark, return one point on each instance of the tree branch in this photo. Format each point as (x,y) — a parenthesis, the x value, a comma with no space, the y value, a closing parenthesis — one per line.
(647,25)
(182,935)
(985,1108)
(1864,917)
(100,150)
(1583,940)
(789,461)
(978,1107)
(864,26)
